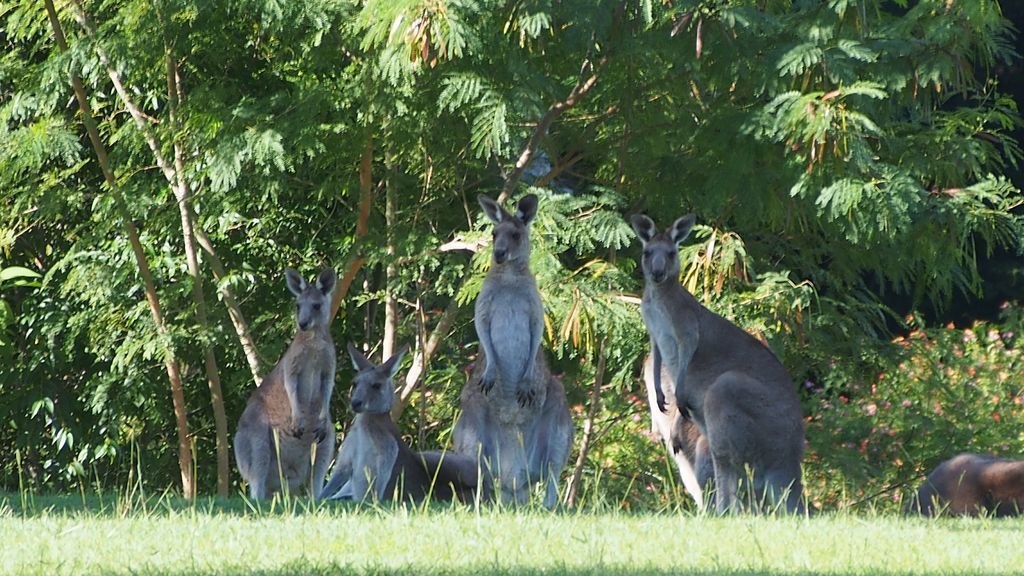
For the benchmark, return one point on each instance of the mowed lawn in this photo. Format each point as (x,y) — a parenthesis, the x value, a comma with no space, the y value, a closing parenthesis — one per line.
(58,536)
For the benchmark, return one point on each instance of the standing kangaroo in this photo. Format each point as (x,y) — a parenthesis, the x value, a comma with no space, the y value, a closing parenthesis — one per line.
(969,484)
(682,437)
(374,461)
(285,434)
(514,413)
(738,393)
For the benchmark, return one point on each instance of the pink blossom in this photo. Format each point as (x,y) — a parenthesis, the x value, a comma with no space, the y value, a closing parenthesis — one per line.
(871,409)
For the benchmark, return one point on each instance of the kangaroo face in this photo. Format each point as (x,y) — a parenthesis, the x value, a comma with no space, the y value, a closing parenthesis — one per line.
(312,301)
(660,260)
(511,232)
(373,388)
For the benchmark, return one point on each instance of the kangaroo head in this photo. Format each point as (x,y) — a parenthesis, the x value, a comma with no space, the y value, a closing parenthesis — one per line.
(373,390)
(511,232)
(312,301)
(661,251)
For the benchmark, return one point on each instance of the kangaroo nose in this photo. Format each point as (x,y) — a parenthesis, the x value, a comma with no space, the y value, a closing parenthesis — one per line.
(658,277)
(500,254)
(357,404)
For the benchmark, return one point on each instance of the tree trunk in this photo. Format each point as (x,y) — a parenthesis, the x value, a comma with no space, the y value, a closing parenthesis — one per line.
(182,193)
(588,428)
(390,271)
(170,360)
(421,359)
(362,226)
(234,310)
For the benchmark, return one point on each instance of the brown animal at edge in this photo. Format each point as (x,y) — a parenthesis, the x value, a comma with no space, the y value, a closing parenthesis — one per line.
(970,485)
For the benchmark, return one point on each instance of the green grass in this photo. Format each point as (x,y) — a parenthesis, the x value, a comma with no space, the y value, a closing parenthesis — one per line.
(93,535)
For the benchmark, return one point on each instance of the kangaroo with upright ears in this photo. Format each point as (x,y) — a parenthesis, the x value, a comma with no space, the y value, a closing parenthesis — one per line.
(515,418)
(509,315)
(735,389)
(285,434)
(374,462)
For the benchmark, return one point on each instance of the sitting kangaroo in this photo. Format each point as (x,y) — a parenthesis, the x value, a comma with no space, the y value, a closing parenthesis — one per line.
(374,463)
(969,484)
(737,392)
(515,418)
(286,424)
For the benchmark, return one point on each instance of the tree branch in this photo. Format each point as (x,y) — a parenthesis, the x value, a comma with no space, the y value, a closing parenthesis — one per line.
(588,78)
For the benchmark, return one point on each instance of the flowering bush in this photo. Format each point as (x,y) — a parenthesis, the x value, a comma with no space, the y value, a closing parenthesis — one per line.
(938,392)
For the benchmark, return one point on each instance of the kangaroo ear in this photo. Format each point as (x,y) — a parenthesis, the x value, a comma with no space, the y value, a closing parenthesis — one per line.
(392,364)
(492,209)
(527,208)
(326,281)
(359,362)
(681,228)
(296,283)
(643,226)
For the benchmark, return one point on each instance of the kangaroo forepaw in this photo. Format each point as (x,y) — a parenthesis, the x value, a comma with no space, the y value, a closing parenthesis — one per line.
(526,397)
(297,431)
(321,434)
(487,382)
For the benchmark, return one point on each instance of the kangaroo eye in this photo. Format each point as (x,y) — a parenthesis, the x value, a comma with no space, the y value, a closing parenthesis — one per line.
(376,386)
(671,255)
(316,307)
(515,236)
(647,253)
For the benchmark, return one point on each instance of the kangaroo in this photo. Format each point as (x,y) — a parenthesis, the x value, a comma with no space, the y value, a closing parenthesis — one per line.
(682,437)
(738,393)
(286,424)
(509,315)
(969,484)
(515,418)
(374,461)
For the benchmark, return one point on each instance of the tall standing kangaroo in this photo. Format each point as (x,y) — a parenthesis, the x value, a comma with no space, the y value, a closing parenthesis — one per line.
(374,462)
(514,413)
(738,393)
(971,484)
(285,434)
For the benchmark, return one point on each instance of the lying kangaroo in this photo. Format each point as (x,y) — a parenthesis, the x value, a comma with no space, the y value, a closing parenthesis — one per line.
(514,413)
(286,424)
(969,484)
(682,437)
(738,393)
(374,462)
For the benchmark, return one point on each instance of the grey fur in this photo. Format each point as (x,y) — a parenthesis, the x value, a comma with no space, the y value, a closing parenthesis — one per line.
(739,394)
(374,462)
(972,484)
(509,314)
(517,446)
(514,415)
(681,436)
(286,423)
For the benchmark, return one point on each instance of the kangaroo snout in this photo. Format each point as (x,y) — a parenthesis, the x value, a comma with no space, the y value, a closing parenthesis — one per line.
(500,255)
(357,405)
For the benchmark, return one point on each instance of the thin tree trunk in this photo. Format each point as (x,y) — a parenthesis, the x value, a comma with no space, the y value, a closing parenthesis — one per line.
(362,225)
(588,428)
(422,358)
(234,310)
(183,194)
(170,360)
(390,271)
